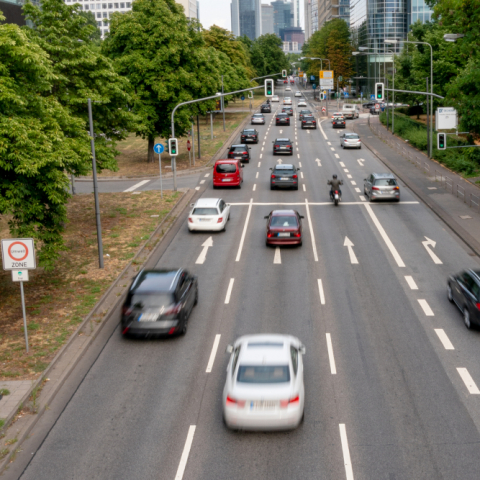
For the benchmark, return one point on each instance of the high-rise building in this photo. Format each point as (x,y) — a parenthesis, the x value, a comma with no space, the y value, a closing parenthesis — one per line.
(246,18)
(293,36)
(296,13)
(283,15)
(267,19)
(307,13)
(330,9)
(314,17)
(190,7)
(12,11)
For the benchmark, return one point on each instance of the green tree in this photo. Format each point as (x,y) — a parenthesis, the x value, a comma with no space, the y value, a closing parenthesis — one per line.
(166,60)
(36,150)
(267,55)
(96,36)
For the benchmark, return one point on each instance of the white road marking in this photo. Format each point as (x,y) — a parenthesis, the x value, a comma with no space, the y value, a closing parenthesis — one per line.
(262,149)
(321,129)
(332,149)
(353,182)
(296,143)
(331,358)
(202,182)
(300,164)
(229,291)
(411,282)
(214,352)
(256,176)
(337,155)
(203,254)
(185,453)
(304,187)
(427,245)
(362,198)
(349,244)
(281,131)
(239,253)
(207,175)
(298,155)
(320,291)
(308,131)
(447,344)
(312,234)
(426,308)
(277,258)
(432,188)
(263,143)
(315,204)
(137,185)
(357,190)
(346,452)
(384,235)
(254,186)
(345,170)
(197,188)
(468,380)
(341,164)
(261,155)
(259,163)
(349,176)
(328,143)
(360,162)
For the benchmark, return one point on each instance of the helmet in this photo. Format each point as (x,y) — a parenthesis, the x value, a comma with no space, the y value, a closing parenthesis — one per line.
(334,175)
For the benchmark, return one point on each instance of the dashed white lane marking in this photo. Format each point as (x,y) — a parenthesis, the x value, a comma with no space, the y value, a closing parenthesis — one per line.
(320,291)
(308,131)
(229,290)
(426,308)
(262,149)
(353,182)
(254,186)
(328,143)
(264,143)
(304,187)
(300,164)
(360,161)
(296,143)
(468,381)
(362,198)
(346,452)
(411,282)
(384,235)
(239,253)
(341,164)
(312,234)
(345,170)
(259,163)
(337,155)
(332,149)
(348,175)
(185,453)
(298,155)
(202,182)
(447,344)
(197,188)
(213,353)
(207,175)
(357,190)
(277,258)
(432,188)
(331,358)
(256,176)
(301,174)
(137,185)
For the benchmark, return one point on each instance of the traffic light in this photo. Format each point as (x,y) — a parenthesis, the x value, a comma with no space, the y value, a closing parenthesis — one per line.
(284,73)
(173,147)
(269,88)
(441,141)
(379,91)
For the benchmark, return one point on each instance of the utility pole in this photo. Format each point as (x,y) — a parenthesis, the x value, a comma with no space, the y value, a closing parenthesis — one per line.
(198,136)
(223,107)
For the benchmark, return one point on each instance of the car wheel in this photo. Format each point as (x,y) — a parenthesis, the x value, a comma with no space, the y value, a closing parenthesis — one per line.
(365,191)
(224,229)
(360,147)
(272,187)
(449,293)
(184,327)
(466,318)
(296,188)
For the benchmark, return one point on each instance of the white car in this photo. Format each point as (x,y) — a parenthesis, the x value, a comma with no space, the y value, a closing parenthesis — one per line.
(302,103)
(298,94)
(287,101)
(264,389)
(288,89)
(208,214)
(275,98)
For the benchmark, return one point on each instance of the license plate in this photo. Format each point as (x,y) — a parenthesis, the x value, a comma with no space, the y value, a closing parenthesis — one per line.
(226,180)
(283,234)
(238,158)
(283,148)
(205,219)
(263,405)
(309,123)
(284,178)
(148,317)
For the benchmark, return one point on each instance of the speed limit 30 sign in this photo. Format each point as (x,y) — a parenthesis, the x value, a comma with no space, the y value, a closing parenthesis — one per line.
(18,253)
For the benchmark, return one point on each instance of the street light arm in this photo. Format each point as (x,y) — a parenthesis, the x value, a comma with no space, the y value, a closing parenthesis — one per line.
(266,76)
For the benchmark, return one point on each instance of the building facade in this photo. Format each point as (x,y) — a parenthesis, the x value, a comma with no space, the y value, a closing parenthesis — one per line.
(246,18)
(190,7)
(307,13)
(12,11)
(267,19)
(283,15)
(330,9)
(293,35)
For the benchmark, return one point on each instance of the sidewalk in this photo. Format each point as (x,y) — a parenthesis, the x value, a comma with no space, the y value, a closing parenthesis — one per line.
(451,197)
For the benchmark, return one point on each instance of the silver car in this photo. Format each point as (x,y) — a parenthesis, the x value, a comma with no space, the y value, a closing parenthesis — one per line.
(381,186)
(350,140)
(258,118)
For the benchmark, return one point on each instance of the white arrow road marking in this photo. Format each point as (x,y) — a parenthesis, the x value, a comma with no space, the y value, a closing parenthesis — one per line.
(426,308)
(444,339)
(137,185)
(280,161)
(331,358)
(427,245)
(277,258)
(349,244)
(346,452)
(185,453)
(203,255)
(468,380)
(214,352)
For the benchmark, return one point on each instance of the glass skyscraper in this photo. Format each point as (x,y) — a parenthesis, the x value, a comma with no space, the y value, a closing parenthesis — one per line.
(246,18)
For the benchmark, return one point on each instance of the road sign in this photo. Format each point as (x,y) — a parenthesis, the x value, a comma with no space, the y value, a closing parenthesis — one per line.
(242,98)
(20,275)
(340,78)
(312,78)
(314,86)
(18,253)
(326,74)
(446,118)
(345,94)
(372,97)
(189,145)
(159,148)
(377,106)
(324,109)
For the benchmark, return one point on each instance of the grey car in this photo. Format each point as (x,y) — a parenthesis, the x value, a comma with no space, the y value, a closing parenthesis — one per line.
(381,186)
(284,176)
(350,140)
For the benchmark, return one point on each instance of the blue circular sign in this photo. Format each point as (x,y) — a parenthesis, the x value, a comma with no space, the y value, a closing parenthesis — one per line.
(242,97)
(159,148)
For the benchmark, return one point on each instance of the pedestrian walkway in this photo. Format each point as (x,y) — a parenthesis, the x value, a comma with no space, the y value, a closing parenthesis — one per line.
(9,403)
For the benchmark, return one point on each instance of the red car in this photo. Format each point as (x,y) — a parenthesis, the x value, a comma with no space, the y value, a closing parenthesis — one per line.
(284,227)
(228,173)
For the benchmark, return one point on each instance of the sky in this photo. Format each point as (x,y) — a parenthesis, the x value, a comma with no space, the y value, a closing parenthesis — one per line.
(217,12)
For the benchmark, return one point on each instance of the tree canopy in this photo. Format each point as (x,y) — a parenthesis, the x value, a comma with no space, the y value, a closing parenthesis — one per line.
(267,55)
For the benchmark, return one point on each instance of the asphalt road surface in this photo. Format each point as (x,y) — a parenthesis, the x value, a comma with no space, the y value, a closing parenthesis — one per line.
(394,397)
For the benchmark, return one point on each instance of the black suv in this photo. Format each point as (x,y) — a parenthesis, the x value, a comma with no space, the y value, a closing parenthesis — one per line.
(304,112)
(464,290)
(287,110)
(282,145)
(249,135)
(308,121)
(159,302)
(266,108)
(284,176)
(282,119)
(240,152)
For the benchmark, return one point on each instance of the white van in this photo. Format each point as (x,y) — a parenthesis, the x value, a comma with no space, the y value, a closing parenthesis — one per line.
(350,111)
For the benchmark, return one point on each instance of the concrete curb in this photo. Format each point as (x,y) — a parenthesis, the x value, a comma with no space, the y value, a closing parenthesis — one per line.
(172,217)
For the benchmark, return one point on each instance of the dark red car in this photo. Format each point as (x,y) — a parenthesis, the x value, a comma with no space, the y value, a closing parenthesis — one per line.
(284,227)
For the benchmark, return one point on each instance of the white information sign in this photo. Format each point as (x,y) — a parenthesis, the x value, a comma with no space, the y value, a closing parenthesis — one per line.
(18,254)
(20,275)
(326,83)
(446,118)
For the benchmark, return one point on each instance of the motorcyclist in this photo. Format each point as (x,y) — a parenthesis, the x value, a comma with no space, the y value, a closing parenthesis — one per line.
(335,185)
(268,101)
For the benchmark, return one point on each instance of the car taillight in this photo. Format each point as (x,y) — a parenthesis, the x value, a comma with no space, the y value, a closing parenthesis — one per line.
(273,176)
(245,153)
(297,234)
(478,306)
(375,188)
(127,310)
(190,219)
(173,310)
(295,176)
(304,121)
(358,140)
(270,234)
(286,403)
(277,146)
(314,122)
(232,401)
(289,146)
(220,220)
(396,188)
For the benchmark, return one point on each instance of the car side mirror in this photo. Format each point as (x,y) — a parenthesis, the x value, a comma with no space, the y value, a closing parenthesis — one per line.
(302,349)
(229,349)
(270,168)
(301,216)
(242,165)
(266,216)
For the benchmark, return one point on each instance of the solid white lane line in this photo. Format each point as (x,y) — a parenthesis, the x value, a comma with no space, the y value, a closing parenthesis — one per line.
(321,129)
(207,175)
(259,163)
(384,235)
(411,282)
(229,290)
(346,452)
(468,380)
(320,291)
(239,253)
(137,185)
(202,182)
(254,186)
(304,187)
(214,352)
(362,198)
(341,164)
(447,344)
(277,258)
(337,155)
(357,190)
(301,174)
(256,176)
(185,453)
(426,308)
(312,234)
(346,170)
(331,358)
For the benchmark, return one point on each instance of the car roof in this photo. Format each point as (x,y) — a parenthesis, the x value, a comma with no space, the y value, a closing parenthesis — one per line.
(148,281)
(284,166)
(265,349)
(383,175)
(207,202)
(305,111)
(277,213)
(475,273)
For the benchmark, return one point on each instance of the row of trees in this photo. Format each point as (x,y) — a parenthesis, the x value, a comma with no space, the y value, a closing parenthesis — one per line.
(153,59)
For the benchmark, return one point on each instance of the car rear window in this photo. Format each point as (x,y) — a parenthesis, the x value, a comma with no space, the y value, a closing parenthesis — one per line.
(258,115)
(151,300)
(284,221)
(205,211)
(352,136)
(386,182)
(284,171)
(263,374)
(226,168)
(281,115)
(249,132)
(282,142)
(238,149)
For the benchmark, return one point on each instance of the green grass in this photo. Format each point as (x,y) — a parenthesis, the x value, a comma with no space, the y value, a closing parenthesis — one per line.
(4,391)
(33,326)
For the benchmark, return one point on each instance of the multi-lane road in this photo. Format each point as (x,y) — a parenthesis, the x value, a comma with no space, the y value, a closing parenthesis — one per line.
(390,370)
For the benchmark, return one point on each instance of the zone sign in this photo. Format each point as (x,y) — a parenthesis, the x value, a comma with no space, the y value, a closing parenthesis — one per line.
(18,253)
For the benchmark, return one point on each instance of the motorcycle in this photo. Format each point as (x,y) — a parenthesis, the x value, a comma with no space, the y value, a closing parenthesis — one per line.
(336,197)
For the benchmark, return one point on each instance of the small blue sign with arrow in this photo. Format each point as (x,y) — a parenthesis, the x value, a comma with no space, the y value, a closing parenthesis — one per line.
(242,97)
(159,148)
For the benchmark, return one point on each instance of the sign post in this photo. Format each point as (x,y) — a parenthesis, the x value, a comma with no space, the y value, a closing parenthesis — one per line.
(18,255)
(189,146)
(159,148)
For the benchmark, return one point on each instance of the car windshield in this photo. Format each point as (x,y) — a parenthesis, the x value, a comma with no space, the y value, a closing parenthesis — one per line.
(284,221)
(338,119)
(226,168)
(282,142)
(205,211)
(386,182)
(263,374)
(151,300)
